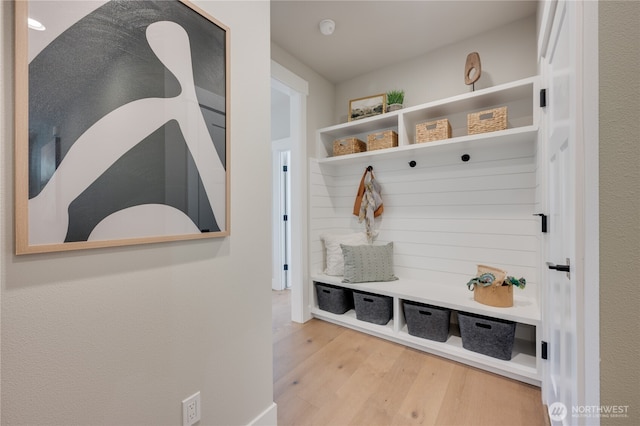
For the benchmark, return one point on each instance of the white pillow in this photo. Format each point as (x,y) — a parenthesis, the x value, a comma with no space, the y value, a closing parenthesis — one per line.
(334,256)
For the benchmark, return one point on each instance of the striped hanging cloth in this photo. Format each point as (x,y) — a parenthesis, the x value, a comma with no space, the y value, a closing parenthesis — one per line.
(371,201)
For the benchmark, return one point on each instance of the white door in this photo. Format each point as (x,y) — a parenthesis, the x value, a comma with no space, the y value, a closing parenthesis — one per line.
(282,205)
(562,370)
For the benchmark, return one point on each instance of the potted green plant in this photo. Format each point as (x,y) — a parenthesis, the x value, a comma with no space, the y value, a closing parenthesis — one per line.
(395,98)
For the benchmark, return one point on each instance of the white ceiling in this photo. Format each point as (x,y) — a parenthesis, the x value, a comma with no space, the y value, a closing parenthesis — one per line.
(372,34)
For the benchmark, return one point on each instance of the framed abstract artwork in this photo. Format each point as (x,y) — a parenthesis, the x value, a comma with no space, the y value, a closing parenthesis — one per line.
(122,124)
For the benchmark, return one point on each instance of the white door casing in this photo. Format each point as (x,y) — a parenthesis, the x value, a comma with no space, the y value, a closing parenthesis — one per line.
(299,90)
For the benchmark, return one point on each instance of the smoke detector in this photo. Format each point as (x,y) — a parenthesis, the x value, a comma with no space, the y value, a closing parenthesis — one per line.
(327,26)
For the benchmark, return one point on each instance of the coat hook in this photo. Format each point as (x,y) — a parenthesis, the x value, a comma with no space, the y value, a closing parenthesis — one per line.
(369,168)
(465,157)
(412,163)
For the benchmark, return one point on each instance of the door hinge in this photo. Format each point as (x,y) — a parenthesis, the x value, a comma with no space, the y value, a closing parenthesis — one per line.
(544,222)
(544,350)
(285,168)
(286,267)
(285,217)
(543,98)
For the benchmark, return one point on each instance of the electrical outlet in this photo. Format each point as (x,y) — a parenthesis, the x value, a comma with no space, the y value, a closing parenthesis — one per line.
(191,410)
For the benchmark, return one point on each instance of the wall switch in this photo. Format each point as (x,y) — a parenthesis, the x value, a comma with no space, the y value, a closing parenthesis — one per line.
(191,410)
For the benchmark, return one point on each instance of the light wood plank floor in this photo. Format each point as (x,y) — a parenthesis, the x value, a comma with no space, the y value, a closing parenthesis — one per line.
(325,374)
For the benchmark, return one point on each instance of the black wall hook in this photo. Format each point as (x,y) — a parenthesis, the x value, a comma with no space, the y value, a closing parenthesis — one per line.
(412,163)
(465,157)
(369,168)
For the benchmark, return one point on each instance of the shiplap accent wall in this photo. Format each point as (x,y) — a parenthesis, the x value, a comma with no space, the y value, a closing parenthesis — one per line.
(444,216)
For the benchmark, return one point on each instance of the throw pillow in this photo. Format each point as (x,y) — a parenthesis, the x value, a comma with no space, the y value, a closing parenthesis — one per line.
(368,263)
(334,257)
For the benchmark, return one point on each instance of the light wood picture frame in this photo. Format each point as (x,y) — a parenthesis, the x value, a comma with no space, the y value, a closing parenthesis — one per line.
(121,124)
(367,106)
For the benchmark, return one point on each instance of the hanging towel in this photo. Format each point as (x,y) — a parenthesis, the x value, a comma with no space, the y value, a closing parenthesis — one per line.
(370,202)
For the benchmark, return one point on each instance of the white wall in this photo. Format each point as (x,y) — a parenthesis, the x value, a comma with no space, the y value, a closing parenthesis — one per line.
(506,54)
(280,115)
(122,335)
(321,94)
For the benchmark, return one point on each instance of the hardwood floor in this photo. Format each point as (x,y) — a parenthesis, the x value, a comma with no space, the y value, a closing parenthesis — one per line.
(325,374)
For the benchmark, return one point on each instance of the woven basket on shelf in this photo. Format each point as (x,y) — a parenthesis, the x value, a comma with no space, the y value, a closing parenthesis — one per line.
(381,140)
(433,131)
(490,120)
(348,146)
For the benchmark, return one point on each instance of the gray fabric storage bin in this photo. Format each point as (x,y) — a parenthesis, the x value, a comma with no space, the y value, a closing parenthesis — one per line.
(334,299)
(426,321)
(486,335)
(373,308)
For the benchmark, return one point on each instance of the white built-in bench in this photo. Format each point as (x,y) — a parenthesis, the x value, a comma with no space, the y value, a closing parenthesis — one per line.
(526,313)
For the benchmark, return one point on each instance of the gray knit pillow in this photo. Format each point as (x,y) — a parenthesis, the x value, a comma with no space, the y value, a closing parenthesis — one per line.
(368,263)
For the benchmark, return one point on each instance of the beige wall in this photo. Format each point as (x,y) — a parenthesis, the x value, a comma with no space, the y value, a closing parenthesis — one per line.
(507,54)
(122,335)
(619,40)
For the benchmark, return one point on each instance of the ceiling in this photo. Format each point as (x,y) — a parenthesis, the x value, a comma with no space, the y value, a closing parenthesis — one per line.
(372,34)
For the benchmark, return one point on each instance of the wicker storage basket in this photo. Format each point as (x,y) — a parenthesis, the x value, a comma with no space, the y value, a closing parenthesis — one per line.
(433,131)
(348,146)
(490,120)
(498,295)
(381,140)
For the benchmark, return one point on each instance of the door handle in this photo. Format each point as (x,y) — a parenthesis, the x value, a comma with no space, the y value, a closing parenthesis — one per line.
(562,268)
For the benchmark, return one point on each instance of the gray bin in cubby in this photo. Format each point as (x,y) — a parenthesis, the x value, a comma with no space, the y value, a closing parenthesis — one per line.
(373,308)
(426,321)
(486,335)
(334,299)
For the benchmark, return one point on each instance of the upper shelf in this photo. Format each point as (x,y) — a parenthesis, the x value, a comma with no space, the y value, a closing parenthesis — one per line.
(463,144)
(522,125)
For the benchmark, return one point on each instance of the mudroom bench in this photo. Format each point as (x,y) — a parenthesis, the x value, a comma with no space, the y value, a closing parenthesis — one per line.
(524,361)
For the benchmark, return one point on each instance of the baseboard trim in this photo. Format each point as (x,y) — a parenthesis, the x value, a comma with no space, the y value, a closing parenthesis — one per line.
(268,417)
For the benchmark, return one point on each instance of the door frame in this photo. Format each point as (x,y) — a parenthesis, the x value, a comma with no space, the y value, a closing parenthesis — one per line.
(299,90)
(591,200)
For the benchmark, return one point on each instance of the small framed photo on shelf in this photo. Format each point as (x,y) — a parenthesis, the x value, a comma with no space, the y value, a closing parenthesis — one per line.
(367,107)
